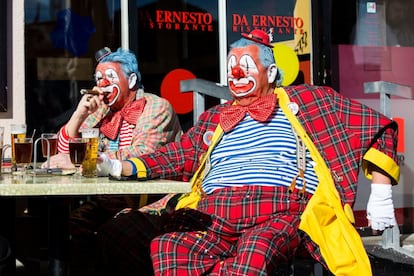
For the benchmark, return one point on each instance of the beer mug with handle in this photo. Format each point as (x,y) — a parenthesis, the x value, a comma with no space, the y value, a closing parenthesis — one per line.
(3,148)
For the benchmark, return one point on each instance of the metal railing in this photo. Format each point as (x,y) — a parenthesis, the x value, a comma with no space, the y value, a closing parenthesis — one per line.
(201,88)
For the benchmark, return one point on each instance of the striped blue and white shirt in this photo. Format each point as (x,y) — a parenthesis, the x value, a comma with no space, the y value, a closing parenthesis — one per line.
(255,153)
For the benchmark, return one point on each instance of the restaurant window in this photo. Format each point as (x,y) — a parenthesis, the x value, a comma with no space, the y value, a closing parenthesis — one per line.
(185,35)
(176,40)
(173,40)
(61,38)
(374,41)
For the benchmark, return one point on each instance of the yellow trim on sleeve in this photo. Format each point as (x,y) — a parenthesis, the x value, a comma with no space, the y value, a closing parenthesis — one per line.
(141,169)
(382,161)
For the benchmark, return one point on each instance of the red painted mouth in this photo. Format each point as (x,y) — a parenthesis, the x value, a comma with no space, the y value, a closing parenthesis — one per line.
(111,95)
(241,89)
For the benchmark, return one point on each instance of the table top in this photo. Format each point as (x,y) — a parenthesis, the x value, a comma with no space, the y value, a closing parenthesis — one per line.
(55,185)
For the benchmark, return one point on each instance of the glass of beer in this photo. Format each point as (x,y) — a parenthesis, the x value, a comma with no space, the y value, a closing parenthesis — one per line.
(52,138)
(91,135)
(17,131)
(77,151)
(2,148)
(23,151)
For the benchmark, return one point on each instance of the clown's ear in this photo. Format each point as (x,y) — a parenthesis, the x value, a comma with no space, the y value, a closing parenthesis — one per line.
(271,73)
(132,81)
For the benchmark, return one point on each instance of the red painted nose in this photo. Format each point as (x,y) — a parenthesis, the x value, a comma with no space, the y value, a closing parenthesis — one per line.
(104,83)
(237,72)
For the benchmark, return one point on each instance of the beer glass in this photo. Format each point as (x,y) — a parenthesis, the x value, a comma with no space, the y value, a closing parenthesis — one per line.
(23,151)
(89,163)
(2,148)
(77,151)
(52,138)
(17,131)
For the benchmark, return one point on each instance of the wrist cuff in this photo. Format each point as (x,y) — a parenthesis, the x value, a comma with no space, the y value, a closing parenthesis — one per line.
(141,169)
(134,167)
(381,190)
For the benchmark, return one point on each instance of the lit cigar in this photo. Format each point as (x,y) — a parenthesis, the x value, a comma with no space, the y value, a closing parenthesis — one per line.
(92,92)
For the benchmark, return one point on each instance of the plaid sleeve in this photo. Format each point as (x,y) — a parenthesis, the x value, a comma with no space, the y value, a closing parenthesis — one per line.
(179,160)
(157,125)
(366,123)
(342,129)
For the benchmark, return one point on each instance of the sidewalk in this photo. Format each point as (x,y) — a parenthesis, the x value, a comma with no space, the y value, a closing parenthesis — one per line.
(389,262)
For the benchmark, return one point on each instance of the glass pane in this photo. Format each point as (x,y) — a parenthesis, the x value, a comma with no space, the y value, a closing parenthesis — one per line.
(380,47)
(288,25)
(177,40)
(61,38)
(4,108)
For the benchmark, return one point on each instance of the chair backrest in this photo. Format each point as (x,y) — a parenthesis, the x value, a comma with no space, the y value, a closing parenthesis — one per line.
(200,88)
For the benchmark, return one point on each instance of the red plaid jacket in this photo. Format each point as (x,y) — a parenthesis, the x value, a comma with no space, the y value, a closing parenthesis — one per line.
(342,129)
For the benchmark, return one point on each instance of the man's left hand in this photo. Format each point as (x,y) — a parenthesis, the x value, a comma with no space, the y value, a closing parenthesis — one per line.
(106,166)
(380,208)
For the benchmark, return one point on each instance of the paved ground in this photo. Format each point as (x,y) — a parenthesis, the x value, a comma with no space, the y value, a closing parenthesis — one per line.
(385,262)
(390,261)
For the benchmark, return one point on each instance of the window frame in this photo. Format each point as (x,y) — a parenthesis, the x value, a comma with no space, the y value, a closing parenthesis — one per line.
(5,60)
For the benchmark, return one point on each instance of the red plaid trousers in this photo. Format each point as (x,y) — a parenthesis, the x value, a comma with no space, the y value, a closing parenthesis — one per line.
(253,229)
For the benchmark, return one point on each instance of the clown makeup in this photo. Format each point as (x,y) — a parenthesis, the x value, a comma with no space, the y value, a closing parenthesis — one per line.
(248,79)
(241,75)
(110,78)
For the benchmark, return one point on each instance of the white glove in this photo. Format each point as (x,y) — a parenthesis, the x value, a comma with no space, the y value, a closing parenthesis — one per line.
(106,166)
(380,208)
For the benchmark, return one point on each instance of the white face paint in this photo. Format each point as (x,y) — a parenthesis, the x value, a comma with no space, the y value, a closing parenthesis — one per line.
(248,79)
(111,77)
(241,75)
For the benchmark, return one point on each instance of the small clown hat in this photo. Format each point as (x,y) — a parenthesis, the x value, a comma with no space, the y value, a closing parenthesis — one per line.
(258,36)
(100,54)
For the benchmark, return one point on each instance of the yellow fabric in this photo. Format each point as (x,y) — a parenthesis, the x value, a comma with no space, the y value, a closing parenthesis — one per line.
(383,161)
(143,200)
(324,219)
(141,169)
(189,200)
(349,213)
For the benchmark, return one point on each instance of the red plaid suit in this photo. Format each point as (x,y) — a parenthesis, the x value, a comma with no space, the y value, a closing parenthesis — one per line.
(340,128)
(332,121)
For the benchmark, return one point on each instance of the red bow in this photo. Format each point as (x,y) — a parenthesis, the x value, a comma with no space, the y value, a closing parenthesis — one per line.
(111,124)
(260,110)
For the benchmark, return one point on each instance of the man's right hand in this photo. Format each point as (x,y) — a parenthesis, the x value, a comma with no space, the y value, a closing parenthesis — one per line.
(86,106)
(89,104)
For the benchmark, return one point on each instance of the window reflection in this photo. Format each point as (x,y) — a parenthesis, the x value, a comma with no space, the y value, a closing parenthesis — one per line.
(400,22)
(62,36)
(385,23)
